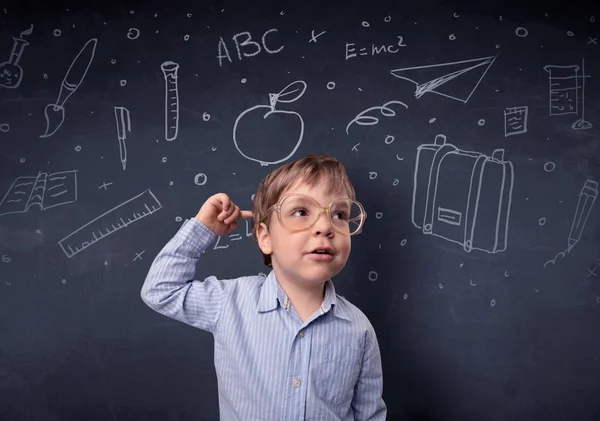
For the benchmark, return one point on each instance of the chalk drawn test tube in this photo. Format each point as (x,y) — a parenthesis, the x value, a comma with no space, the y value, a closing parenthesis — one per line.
(169,69)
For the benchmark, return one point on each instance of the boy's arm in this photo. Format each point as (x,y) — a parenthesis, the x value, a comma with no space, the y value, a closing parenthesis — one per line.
(368,403)
(169,287)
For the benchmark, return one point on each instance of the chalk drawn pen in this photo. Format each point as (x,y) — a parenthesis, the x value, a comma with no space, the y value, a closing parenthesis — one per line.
(123,126)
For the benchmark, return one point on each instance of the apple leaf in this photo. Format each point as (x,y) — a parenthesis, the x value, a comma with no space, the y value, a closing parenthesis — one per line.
(290,92)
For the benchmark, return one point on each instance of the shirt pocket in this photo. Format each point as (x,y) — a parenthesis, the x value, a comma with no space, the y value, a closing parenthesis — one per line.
(337,373)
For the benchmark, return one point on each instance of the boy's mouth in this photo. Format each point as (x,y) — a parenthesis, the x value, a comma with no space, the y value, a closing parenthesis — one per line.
(322,250)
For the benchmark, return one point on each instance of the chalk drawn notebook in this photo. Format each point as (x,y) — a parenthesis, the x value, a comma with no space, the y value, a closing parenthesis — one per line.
(44,191)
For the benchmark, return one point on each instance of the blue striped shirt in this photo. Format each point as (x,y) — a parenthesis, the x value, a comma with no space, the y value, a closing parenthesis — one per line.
(270,365)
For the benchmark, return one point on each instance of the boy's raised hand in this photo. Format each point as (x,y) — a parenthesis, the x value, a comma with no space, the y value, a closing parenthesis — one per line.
(219,214)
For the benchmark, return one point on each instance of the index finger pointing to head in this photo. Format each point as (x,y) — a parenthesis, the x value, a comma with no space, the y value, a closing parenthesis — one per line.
(245,214)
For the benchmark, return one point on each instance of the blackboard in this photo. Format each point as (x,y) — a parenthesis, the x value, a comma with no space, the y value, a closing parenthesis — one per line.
(470,131)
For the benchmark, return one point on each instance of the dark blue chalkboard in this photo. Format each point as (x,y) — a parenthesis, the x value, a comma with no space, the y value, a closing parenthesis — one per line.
(469,129)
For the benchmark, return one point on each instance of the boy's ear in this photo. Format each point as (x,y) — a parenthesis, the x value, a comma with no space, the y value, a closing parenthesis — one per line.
(264,241)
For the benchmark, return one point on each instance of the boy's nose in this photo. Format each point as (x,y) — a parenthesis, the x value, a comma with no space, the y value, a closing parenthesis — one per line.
(323,224)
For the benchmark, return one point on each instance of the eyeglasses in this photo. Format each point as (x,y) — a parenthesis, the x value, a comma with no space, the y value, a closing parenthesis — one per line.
(299,212)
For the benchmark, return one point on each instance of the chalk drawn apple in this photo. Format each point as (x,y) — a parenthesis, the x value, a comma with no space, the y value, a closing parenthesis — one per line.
(264,129)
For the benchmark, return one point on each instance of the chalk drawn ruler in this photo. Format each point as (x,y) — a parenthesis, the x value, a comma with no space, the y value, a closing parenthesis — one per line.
(119,217)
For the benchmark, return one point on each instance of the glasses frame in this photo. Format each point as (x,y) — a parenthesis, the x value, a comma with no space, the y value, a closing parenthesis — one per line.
(277,208)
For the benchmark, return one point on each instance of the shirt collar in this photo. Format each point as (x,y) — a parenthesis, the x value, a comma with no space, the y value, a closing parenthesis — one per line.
(272,295)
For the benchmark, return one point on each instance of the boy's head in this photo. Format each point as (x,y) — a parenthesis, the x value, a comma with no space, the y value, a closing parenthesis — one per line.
(289,222)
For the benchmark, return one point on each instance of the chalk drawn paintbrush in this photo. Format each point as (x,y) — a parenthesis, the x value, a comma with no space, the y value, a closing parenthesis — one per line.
(55,113)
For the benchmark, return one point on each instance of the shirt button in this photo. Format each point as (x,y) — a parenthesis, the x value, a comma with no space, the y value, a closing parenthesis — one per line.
(301,334)
(296,382)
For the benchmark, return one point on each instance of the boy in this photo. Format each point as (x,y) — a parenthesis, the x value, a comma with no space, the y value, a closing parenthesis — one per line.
(286,346)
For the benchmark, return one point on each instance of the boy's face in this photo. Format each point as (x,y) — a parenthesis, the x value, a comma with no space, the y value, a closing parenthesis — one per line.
(291,251)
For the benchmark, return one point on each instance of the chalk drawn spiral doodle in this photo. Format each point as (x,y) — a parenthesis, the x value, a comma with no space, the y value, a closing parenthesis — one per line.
(284,128)
(55,113)
(11,73)
(362,119)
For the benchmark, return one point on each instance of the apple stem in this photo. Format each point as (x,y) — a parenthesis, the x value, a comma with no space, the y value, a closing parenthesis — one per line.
(273,100)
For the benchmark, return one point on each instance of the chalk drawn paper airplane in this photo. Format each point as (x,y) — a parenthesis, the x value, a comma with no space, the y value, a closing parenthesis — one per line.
(463,196)
(436,78)
(43,190)
(119,217)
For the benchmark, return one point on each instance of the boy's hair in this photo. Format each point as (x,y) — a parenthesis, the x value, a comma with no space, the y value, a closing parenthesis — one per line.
(310,169)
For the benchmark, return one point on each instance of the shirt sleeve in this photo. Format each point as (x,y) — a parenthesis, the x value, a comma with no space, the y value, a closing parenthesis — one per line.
(169,287)
(368,403)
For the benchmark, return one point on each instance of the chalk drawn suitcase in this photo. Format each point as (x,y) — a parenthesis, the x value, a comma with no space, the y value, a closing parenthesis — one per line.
(463,196)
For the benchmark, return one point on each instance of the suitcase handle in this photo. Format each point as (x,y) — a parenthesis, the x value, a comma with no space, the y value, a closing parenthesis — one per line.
(440,139)
(498,154)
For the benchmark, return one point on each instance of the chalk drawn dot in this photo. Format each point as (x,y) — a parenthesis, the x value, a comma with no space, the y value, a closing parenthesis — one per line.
(132,12)
(57,32)
(389,139)
(189,15)
(387,19)
(330,85)
(441,286)
(282,13)
(243,80)
(592,19)
(521,32)
(373,276)
(113,61)
(171,183)
(472,283)
(164,159)
(4,127)
(186,37)
(570,33)
(493,302)
(64,281)
(481,122)
(133,33)
(549,166)
(542,221)
(405,296)
(396,182)
(452,37)
(365,24)
(22,160)
(497,45)
(178,219)
(500,17)
(462,264)
(432,120)
(398,158)
(200,179)
(38,231)
(122,82)
(360,89)
(105,263)
(372,175)
(78,148)
(252,197)
(46,76)
(506,274)
(206,116)
(378,215)
(403,242)
(214,148)
(598,299)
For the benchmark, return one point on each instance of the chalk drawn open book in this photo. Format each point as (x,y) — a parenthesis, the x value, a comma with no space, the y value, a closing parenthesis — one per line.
(43,190)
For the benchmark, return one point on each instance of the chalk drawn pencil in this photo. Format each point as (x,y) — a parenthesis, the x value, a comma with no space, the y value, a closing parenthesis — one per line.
(587,197)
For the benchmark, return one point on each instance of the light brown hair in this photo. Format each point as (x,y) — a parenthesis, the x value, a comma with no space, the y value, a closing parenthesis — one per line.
(311,170)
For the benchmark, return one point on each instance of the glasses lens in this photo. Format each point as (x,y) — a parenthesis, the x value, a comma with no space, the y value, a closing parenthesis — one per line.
(346,216)
(300,212)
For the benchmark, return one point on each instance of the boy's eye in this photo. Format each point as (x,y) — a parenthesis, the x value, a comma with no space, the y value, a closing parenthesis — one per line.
(300,212)
(341,215)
